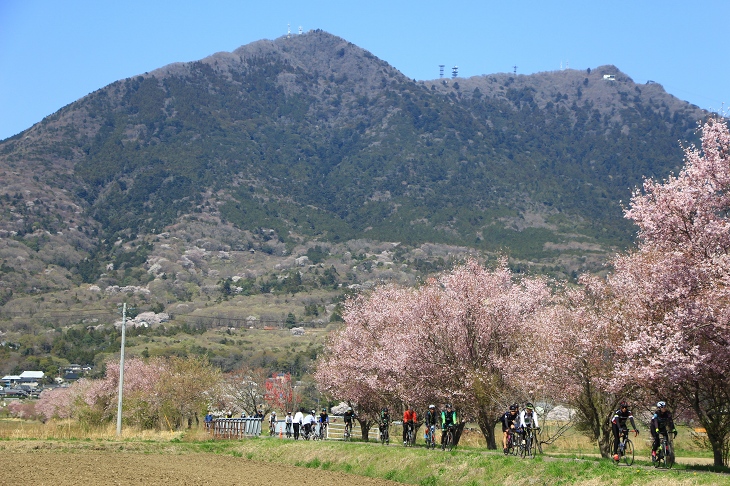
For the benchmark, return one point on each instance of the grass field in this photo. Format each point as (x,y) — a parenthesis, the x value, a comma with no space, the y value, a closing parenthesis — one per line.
(467,465)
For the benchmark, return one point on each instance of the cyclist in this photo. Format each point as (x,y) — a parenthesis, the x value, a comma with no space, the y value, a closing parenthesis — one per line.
(323,420)
(272,423)
(448,420)
(528,419)
(289,420)
(508,423)
(298,422)
(409,419)
(618,424)
(309,421)
(661,419)
(384,420)
(431,422)
(348,417)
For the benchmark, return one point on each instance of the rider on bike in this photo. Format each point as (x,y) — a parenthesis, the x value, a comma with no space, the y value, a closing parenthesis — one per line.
(309,421)
(448,420)
(528,419)
(508,423)
(618,424)
(348,417)
(323,420)
(272,423)
(384,420)
(431,420)
(661,419)
(409,419)
(289,420)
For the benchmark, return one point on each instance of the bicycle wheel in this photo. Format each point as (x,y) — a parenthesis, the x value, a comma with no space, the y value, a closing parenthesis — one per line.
(523,446)
(628,452)
(669,456)
(449,440)
(530,446)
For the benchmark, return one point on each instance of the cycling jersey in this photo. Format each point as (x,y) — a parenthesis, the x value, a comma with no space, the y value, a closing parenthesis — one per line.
(448,418)
(508,419)
(660,420)
(431,418)
(620,417)
(528,419)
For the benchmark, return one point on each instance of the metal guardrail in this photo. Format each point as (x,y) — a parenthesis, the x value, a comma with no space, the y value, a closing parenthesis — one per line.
(236,428)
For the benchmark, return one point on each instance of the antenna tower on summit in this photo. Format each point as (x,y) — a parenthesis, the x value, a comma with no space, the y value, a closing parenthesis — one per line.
(441,70)
(300,30)
(288,31)
(454,71)
(515,68)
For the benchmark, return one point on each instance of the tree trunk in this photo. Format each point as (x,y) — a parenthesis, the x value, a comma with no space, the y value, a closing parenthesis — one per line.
(605,444)
(716,442)
(486,425)
(365,426)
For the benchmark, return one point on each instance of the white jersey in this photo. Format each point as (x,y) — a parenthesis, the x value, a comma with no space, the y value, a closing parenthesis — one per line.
(309,419)
(530,419)
(298,418)
(289,419)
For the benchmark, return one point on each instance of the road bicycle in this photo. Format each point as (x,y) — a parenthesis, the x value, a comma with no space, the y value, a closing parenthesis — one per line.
(307,432)
(625,450)
(665,453)
(448,442)
(347,434)
(410,435)
(288,430)
(384,434)
(528,441)
(431,437)
(272,429)
(512,448)
(322,433)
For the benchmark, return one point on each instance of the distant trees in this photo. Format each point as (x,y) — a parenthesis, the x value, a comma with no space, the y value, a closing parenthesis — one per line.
(158,393)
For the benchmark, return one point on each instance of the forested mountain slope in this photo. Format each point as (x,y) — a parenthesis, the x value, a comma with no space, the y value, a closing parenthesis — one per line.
(310,140)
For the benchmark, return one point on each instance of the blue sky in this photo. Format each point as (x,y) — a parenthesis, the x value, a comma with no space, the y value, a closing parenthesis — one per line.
(55,52)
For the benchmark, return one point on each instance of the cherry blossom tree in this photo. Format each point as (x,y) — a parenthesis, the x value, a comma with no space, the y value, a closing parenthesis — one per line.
(675,288)
(280,393)
(243,390)
(587,339)
(458,338)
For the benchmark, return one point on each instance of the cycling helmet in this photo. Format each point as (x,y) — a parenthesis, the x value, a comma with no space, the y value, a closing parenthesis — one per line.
(623,405)
(273,413)
(448,405)
(432,406)
(661,404)
(512,408)
(288,413)
(313,412)
(528,406)
(385,409)
(349,409)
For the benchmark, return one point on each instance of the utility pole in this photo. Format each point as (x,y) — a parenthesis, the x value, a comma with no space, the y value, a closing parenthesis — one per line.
(121,371)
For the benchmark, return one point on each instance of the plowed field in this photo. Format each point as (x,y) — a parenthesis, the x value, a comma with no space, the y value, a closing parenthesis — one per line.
(92,468)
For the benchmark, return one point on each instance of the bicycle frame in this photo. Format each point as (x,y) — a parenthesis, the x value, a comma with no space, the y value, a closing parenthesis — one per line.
(431,436)
(625,448)
(665,453)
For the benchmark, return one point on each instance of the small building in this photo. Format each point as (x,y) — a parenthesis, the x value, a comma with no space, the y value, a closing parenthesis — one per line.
(609,77)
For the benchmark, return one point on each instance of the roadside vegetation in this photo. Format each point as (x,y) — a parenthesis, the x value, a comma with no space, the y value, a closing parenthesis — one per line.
(569,461)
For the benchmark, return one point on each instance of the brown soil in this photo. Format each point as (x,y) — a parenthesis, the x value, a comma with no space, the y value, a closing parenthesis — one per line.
(92,468)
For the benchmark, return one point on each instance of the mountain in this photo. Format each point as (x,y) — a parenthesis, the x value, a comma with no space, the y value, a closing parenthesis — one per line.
(165,183)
